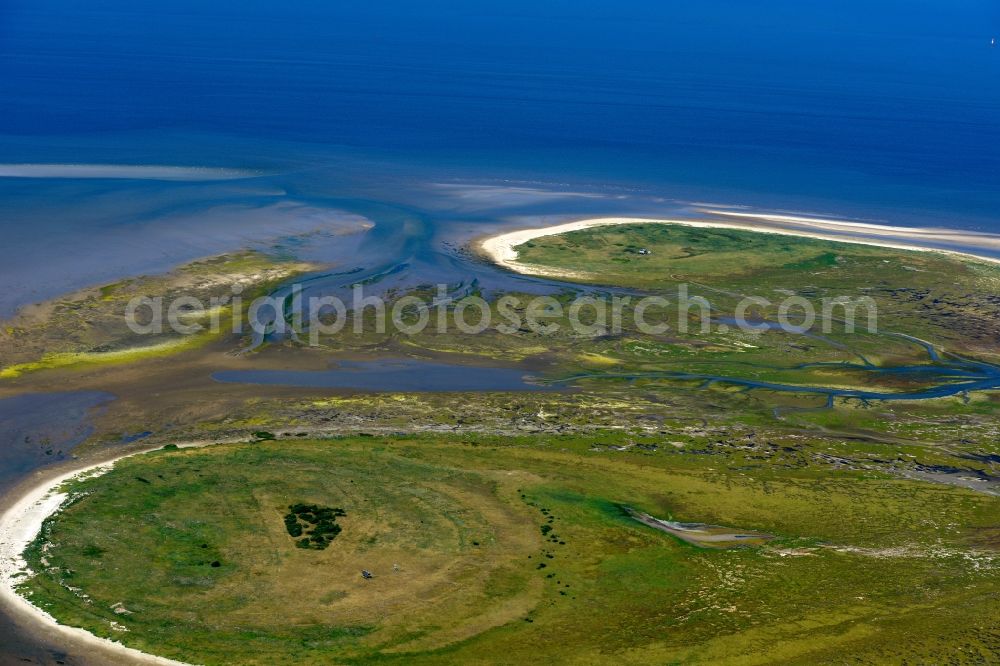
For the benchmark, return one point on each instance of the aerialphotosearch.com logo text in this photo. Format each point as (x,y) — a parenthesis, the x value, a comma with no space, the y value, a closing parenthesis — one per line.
(313,317)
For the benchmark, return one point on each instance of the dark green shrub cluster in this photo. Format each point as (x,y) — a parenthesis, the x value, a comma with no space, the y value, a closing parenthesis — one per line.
(292,525)
(316,524)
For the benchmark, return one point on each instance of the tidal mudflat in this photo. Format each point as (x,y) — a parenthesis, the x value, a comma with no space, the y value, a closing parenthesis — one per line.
(40,429)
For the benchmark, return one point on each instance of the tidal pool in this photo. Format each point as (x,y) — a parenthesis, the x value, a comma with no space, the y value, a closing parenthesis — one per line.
(390,375)
(38,429)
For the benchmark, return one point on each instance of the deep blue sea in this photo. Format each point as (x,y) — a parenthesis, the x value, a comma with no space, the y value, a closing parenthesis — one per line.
(877,109)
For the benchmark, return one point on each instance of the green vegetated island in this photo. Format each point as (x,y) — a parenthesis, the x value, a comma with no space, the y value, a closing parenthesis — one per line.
(521,548)
(639,513)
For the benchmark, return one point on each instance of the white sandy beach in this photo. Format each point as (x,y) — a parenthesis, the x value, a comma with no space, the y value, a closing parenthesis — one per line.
(19,525)
(501,248)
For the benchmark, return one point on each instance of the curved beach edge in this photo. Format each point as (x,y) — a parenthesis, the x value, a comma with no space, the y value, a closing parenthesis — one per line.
(20,525)
(501,248)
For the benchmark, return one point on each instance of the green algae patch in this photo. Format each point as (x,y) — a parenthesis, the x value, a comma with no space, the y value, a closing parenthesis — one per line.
(91,359)
(90,328)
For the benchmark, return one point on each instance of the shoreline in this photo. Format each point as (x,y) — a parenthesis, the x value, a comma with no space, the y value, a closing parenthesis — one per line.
(20,523)
(500,248)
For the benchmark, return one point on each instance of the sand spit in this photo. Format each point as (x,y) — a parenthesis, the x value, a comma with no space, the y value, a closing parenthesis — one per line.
(501,248)
(122,171)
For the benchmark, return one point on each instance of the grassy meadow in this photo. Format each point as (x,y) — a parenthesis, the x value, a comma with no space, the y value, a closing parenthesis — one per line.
(925,294)
(514,550)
